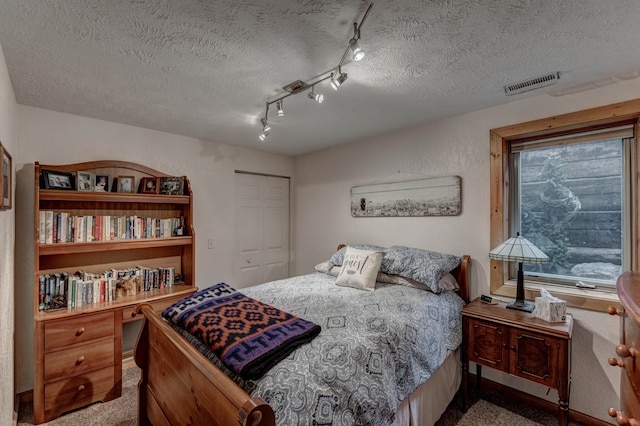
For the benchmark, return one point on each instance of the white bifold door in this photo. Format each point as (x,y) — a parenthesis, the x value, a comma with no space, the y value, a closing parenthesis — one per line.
(262,228)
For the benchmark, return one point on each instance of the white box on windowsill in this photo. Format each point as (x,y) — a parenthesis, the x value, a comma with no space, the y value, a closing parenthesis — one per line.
(550,308)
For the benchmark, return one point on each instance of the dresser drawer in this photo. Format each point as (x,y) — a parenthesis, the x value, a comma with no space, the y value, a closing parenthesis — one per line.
(129,313)
(67,394)
(631,340)
(79,359)
(62,333)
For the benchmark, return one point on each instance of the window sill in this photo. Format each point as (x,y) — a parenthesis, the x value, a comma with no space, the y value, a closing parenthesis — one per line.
(591,299)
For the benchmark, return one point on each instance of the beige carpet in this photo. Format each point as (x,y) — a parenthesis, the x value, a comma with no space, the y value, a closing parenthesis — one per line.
(118,412)
(122,411)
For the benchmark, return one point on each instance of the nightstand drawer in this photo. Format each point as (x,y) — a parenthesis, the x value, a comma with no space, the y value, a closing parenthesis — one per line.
(62,333)
(78,359)
(629,398)
(631,341)
(67,394)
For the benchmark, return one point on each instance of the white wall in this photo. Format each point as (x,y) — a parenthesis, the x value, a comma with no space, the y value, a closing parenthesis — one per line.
(455,146)
(8,139)
(56,138)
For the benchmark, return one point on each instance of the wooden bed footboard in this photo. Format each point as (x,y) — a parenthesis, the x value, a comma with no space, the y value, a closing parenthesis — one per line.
(179,385)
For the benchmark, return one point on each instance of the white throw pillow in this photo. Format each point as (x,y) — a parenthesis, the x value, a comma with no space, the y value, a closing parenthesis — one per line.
(360,269)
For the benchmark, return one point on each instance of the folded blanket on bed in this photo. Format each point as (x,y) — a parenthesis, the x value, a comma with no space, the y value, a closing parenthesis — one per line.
(247,335)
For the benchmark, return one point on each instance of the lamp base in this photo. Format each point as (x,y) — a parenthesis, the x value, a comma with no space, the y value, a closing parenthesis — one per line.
(521,306)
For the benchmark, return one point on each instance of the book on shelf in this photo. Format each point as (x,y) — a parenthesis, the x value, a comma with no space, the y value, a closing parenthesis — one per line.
(62,227)
(64,290)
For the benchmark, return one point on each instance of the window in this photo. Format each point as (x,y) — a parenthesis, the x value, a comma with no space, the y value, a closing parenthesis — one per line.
(571,199)
(569,184)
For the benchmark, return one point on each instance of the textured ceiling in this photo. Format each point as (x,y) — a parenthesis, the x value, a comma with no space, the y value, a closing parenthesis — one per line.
(205,68)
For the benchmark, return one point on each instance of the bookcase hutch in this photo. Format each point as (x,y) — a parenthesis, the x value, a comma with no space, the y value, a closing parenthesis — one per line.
(78,350)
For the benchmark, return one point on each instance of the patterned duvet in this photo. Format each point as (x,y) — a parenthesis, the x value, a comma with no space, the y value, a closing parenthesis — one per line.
(375,348)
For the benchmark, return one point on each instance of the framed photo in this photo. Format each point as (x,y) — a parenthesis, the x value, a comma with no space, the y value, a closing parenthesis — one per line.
(57,180)
(172,185)
(6,179)
(85,181)
(125,183)
(149,185)
(102,183)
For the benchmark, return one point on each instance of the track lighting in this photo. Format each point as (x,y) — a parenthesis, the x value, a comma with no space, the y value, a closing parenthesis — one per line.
(265,125)
(335,75)
(318,97)
(358,53)
(338,79)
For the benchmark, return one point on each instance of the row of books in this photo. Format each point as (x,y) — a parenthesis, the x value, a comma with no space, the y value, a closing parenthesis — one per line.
(63,290)
(62,227)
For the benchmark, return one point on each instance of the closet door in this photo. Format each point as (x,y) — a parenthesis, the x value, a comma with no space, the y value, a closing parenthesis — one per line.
(262,228)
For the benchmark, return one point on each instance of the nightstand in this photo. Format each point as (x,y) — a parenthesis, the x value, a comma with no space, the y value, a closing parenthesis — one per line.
(520,344)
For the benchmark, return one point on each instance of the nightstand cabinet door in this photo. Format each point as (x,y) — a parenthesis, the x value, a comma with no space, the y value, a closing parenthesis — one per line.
(535,357)
(489,344)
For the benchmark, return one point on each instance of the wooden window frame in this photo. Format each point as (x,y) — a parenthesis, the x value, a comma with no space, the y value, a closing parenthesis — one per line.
(500,140)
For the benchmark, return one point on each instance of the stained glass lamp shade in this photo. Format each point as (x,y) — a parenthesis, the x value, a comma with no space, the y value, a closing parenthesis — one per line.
(519,249)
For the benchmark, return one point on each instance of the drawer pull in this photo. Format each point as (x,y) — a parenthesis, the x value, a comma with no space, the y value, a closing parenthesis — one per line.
(622,419)
(80,331)
(614,362)
(615,311)
(80,360)
(80,388)
(133,314)
(625,352)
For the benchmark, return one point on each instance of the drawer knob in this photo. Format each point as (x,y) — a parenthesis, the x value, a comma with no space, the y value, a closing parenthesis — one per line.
(622,419)
(80,331)
(615,311)
(80,360)
(80,388)
(615,362)
(133,314)
(624,352)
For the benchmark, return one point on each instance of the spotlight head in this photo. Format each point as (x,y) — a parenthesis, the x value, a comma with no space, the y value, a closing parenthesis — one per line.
(336,81)
(358,53)
(279,108)
(265,125)
(318,97)
(263,135)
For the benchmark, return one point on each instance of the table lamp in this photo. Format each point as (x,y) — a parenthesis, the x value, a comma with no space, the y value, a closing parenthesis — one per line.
(519,249)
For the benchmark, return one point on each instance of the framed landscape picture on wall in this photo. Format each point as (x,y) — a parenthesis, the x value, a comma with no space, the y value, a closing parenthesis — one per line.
(6,179)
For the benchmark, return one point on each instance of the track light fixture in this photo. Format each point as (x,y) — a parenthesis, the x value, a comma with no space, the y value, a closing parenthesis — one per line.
(318,97)
(335,74)
(338,79)
(357,51)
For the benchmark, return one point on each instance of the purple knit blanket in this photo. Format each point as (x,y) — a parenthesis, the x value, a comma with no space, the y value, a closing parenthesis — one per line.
(248,336)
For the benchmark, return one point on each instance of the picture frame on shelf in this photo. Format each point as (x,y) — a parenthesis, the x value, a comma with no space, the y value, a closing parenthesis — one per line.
(102,183)
(172,185)
(125,183)
(149,185)
(7,176)
(52,179)
(85,181)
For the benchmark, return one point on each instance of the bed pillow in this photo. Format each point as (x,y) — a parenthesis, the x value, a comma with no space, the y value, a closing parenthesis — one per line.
(360,269)
(447,283)
(337,257)
(423,266)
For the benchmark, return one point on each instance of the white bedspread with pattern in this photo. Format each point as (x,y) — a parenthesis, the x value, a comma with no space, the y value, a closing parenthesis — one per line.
(375,348)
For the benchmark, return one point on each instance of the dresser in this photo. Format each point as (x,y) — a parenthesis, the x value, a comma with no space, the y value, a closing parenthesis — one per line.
(628,351)
(520,344)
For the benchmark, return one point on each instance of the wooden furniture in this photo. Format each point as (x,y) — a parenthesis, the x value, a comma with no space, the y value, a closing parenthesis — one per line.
(520,344)
(179,385)
(628,351)
(78,351)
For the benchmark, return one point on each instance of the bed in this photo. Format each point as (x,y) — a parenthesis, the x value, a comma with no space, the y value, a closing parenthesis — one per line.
(182,382)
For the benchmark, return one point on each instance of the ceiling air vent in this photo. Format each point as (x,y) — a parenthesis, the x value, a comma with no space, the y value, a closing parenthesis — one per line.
(532,84)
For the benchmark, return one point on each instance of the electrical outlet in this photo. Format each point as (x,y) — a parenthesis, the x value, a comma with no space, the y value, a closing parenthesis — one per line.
(211,244)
